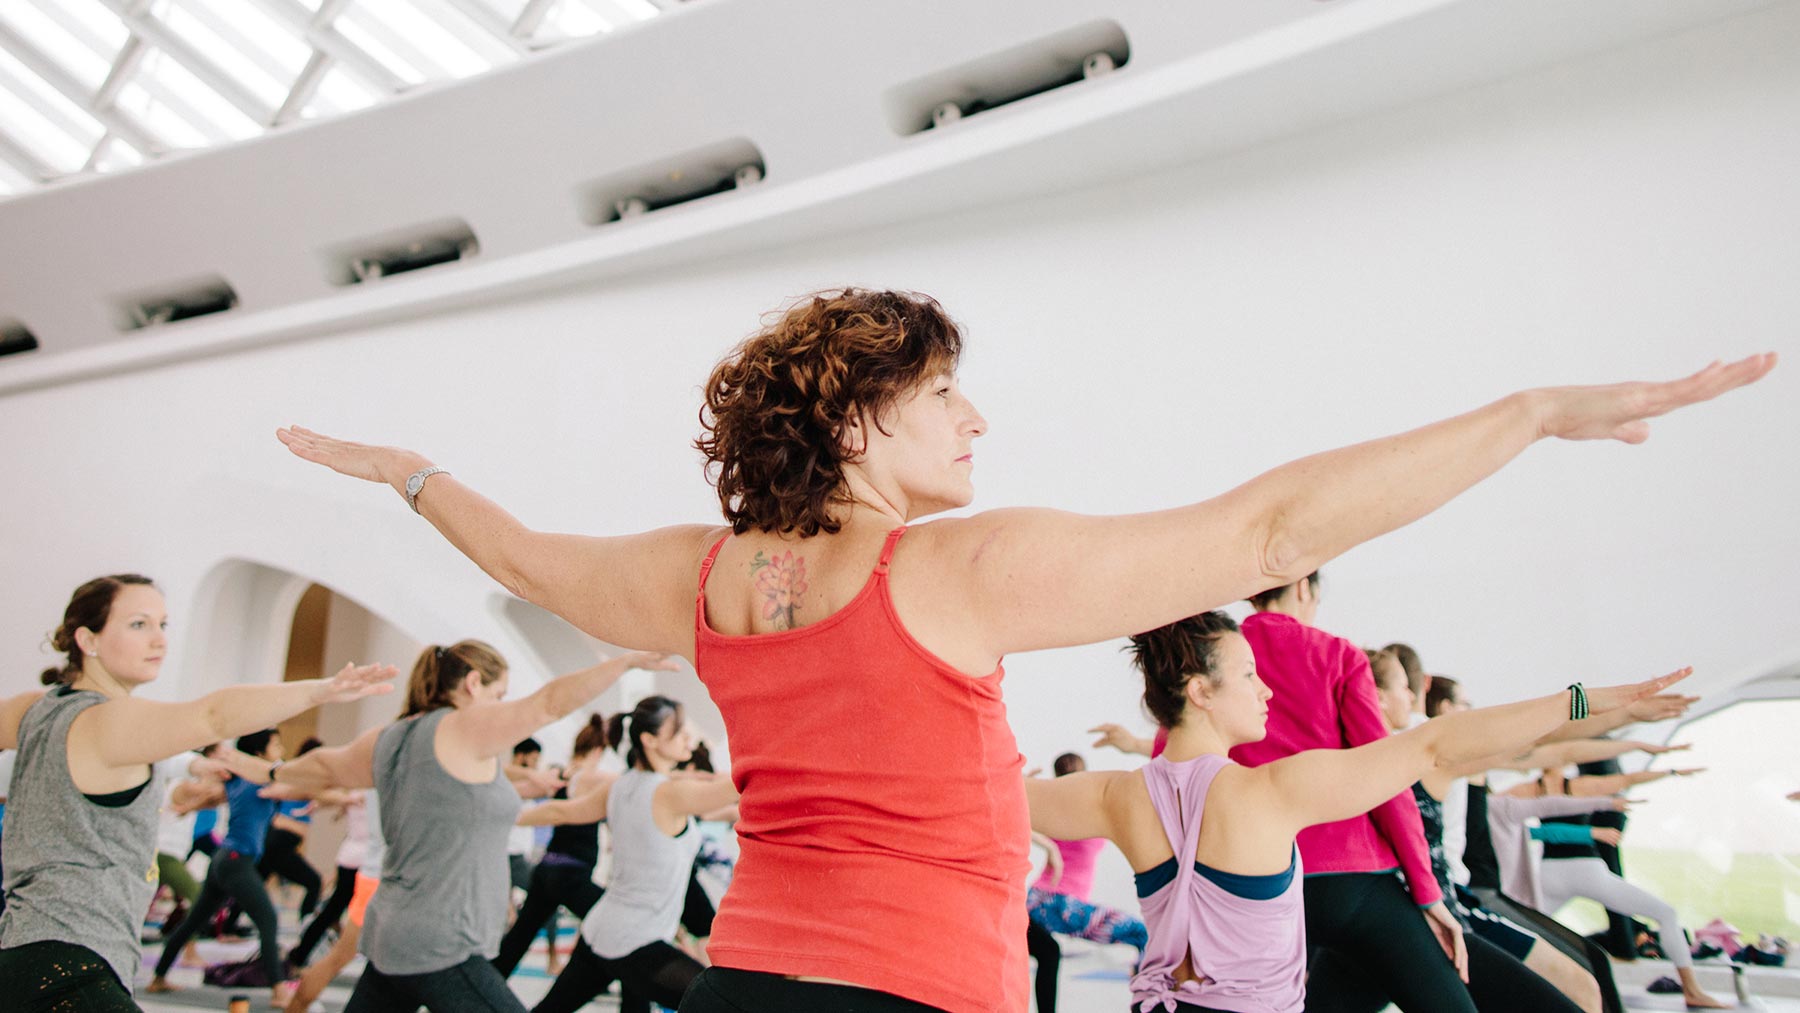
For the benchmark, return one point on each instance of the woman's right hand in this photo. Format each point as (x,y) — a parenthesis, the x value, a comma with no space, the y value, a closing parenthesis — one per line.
(1620,411)
(353,682)
(370,463)
(650,661)
(1606,698)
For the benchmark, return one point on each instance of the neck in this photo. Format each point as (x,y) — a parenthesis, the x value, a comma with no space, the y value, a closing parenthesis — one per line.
(99,680)
(895,508)
(659,764)
(1285,606)
(1195,736)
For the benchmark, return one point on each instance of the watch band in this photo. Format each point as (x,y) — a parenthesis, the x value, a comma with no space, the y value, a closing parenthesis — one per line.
(415,484)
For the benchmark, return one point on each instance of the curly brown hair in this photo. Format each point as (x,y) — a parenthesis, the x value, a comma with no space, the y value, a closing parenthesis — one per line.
(778,406)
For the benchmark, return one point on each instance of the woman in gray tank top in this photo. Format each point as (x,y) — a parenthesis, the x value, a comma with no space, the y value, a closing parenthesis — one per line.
(446,808)
(625,937)
(80,834)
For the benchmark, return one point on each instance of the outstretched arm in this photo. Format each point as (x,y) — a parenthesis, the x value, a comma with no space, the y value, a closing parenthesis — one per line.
(349,766)
(1657,708)
(588,807)
(1324,785)
(12,711)
(632,590)
(1073,807)
(126,731)
(1033,579)
(1121,739)
(678,798)
(1556,755)
(1593,785)
(492,730)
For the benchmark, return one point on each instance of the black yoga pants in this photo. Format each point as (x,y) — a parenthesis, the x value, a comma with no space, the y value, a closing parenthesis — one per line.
(1368,919)
(725,990)
(552,885)
(658,971)
(232,876)
(58,977)
(472,986)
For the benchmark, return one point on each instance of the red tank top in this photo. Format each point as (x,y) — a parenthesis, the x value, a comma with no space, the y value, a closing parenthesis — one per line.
(883,828)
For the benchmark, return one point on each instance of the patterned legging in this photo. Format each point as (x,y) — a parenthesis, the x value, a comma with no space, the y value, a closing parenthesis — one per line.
(1072,916)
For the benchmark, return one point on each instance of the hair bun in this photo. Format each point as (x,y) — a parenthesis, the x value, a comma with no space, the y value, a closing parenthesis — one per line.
(53,676)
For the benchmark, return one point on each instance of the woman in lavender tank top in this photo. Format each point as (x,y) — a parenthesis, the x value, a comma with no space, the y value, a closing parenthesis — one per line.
(1225,917)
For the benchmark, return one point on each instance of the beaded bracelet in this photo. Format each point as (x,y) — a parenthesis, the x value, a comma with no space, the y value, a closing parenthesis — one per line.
(1578,702)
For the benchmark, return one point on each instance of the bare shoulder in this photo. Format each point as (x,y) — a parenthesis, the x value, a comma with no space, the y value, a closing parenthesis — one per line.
(12,712)
(968,540)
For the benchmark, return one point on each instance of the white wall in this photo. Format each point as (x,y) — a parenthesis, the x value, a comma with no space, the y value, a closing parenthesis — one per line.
(1143,343)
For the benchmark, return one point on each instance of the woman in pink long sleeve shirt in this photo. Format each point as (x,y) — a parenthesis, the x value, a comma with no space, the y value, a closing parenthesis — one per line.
(1355,904)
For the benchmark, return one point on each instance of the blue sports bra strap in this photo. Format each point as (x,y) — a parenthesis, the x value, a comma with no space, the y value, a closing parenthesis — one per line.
(887,549)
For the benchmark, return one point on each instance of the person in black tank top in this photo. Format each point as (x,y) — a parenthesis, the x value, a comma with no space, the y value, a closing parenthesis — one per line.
(565,876)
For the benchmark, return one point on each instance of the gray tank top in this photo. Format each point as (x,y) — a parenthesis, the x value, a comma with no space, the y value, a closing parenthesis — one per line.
(444,876)
(650,870)
(76,872)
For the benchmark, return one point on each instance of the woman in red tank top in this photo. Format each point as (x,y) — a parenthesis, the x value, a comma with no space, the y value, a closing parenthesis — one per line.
(878,871)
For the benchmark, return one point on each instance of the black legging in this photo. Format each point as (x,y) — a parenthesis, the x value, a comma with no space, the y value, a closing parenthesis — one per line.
(697,909)
(472,986)
(1044,949)
(727,990)
(552,885)
(658,971)
(1368,918)
(59,977)
(335,905)
(281,857)
(232,875)
(1584,951)
(1498,983)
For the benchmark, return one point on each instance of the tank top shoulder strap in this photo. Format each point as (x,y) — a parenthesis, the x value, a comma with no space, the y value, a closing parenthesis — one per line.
(706,566)
(887,550)
(712,556)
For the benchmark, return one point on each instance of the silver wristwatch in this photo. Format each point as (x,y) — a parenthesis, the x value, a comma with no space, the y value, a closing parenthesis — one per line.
(415,483)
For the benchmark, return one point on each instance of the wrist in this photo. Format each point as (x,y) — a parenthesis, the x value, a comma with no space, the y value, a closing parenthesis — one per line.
(399,466)
(1537,408)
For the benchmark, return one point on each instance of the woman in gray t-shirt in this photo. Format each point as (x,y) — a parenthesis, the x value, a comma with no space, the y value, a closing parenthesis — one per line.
(80,834)
(625,937)
(447,806)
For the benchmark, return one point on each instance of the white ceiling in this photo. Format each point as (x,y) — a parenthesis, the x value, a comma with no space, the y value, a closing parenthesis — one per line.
(98,85)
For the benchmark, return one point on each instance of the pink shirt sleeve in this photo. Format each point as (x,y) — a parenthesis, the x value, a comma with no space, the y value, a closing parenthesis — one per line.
(1397,819)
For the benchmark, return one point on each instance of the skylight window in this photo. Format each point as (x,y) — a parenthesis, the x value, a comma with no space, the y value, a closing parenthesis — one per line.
(102,85)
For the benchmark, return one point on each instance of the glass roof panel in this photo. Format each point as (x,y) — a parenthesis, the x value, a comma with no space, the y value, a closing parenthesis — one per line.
(86,88)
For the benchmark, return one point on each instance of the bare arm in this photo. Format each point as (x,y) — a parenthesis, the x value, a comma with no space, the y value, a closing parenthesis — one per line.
(531,782)
(492,730)
(632,590)
(1590,785)
(127,732)
(1325,785)
(349,766)
(1073,807)
(1053,860)
(1555,755)
(679,799)
(1119,738)
(1034,579)
(1657,708)
(188,796)
(12,711)
(589,807)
